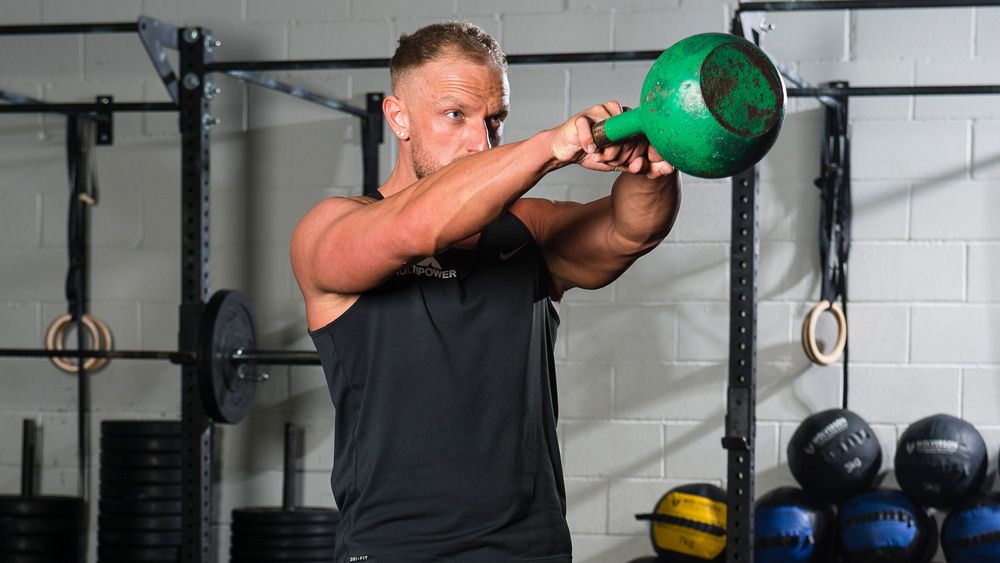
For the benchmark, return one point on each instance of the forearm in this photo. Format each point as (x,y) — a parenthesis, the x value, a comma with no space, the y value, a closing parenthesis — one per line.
(465,196)
(643,211)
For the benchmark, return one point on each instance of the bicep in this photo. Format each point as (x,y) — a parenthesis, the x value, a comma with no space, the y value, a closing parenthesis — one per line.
(347,246)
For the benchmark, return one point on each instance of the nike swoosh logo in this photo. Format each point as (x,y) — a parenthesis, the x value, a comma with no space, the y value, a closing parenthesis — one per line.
(506,255)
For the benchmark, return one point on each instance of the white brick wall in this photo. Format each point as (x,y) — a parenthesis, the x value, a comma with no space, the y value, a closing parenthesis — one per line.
(985,148)
(880,35)
(642,362)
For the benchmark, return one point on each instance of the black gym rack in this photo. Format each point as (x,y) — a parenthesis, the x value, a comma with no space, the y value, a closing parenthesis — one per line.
(191,95)
(740,424)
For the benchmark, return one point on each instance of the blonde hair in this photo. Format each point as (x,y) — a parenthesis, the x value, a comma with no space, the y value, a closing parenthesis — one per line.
(432,41)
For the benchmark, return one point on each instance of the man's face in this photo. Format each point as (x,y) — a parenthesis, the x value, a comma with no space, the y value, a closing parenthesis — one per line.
(456,107)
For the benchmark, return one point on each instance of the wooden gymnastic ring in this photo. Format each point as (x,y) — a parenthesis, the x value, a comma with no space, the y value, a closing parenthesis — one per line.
(107,343)
(809,344)
(808,352)
(100,335)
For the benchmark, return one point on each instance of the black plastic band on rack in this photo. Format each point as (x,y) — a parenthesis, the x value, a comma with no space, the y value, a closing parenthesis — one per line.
(836,211)
(80,139)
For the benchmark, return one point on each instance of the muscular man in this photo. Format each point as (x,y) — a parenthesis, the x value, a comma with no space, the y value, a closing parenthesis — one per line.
(432,306)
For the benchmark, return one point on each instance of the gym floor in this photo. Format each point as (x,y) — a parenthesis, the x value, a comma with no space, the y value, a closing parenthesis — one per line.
(642,363)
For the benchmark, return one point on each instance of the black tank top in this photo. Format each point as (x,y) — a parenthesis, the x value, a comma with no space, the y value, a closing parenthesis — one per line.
(444,387)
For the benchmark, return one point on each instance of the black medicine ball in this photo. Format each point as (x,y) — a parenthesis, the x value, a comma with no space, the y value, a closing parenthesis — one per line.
(885,526)
(834,454)
(688,524)
(790,527)
(971,532)
(940,460)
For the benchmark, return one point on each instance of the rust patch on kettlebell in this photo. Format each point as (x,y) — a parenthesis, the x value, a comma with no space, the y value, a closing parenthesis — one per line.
(733,91)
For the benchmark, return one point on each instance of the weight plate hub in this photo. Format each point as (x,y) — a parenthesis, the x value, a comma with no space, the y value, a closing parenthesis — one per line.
(226,328)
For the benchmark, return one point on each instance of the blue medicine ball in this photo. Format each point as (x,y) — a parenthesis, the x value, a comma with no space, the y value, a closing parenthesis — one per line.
(971,532)
(790,526)
(885,526)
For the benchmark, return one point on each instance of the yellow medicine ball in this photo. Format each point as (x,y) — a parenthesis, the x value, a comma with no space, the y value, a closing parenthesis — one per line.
(688,524)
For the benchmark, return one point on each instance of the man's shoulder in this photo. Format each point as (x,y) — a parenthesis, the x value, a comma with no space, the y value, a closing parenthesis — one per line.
(328,210)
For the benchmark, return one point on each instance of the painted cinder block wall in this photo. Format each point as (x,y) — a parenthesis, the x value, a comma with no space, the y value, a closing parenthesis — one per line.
(642,363)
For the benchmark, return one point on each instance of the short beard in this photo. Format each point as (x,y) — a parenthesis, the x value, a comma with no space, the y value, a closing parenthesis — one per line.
(423,162)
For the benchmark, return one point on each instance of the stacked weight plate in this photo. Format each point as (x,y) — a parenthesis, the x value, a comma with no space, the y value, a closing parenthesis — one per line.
(139,514)
(275,534)
(42,529)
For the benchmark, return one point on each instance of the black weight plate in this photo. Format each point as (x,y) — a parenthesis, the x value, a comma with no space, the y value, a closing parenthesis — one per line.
(152,444)
(138,539)
(38,544)
(226,327)
(269,542)
(67,557)
(139,523)
(44,525)
(140,507)
(258,554)
(141,460)
(135,475)
(127,428)
(40,506)
(283,530)
(140,491)
(277,515)
(113,552)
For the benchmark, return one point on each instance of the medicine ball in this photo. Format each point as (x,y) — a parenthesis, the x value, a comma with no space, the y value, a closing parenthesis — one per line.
(971,532)
(792,526)
(940,460)
(688,524)
(885,526)
(834,454)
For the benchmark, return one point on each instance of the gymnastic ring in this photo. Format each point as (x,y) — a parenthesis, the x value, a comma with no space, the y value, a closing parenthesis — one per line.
(107,343)
(805,337)
(100,335)
(809,344)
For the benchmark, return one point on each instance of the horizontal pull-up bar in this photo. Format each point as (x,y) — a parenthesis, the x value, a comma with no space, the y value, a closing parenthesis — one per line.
(88,108)
(893,91)
(860,5)
(328,64)
(68,28)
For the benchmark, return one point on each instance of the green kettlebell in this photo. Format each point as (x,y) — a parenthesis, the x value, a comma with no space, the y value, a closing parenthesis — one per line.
(711,105)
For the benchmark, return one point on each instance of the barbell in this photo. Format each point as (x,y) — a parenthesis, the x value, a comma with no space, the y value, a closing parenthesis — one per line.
(226,345)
